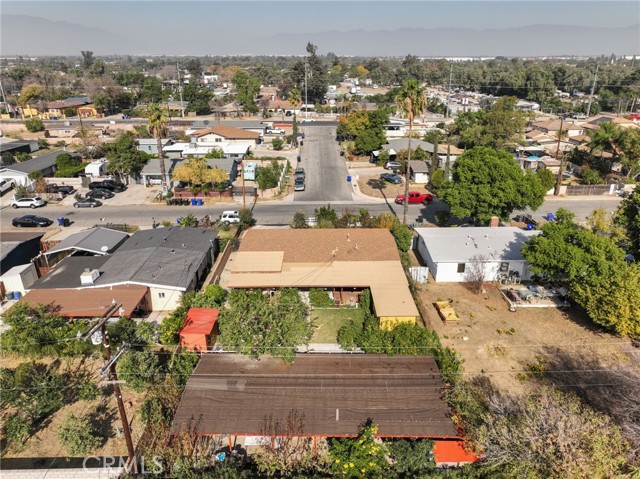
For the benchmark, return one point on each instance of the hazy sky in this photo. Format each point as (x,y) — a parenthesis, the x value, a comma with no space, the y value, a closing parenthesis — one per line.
(157,26)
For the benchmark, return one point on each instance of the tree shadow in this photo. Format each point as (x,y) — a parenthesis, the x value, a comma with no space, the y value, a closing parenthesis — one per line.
(380,185)
(102,420)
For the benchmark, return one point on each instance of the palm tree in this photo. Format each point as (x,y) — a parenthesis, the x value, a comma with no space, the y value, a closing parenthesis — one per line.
(158,127)
(411,101)
(605,138)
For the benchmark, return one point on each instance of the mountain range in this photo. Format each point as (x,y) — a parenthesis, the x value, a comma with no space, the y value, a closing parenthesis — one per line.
(36,36)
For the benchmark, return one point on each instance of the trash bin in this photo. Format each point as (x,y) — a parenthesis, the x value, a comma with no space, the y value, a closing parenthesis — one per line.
(17,295)
(301,143)
(66,222)
(178,220)
(200,202)
(529,226)
(193,201)
(9,295)
(60,221)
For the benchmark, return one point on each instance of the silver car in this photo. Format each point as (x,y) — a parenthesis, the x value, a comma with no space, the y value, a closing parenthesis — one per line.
(299,184)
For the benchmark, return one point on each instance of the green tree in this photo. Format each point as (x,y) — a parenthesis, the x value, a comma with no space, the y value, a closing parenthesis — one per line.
(403,236)
(472,192)
(547,178)
(17,430)
(360,457)
(139,369)
(197,173)
(299,220)
(437,179)
(87,59)
(78,435)
(123,156)
(34,125)
(368,141)
(158,127)
(326,217)
(277,143)
(215,153)
(412,459)
(590,177)
(246,217)
(628,217)
(247,87)
(411,101)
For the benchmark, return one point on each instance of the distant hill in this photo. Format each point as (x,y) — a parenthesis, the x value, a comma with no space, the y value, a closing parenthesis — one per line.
(29,35)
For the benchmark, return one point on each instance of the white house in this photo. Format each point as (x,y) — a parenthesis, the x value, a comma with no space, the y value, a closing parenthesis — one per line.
(449,252)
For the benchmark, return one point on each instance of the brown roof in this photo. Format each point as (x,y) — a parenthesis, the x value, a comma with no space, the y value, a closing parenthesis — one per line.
(333,393)
(86,303)
(230,132)
(280,105)
(554,125)
(319,245)
(61,104)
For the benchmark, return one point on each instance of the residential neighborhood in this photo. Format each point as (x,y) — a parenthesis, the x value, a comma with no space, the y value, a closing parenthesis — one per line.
(321,264)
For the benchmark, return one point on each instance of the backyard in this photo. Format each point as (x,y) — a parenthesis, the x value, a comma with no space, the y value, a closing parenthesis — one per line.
(328,322)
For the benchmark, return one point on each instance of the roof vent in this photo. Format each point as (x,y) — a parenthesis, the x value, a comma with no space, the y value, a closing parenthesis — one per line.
(89,276)
(172,251)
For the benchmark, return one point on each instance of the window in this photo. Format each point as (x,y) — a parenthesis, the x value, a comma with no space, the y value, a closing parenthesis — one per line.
(461,267)
(160,295)
(218,140)
(504,267)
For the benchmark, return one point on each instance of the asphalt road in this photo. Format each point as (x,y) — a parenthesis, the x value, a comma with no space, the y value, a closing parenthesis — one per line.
(268,213)
(326,171)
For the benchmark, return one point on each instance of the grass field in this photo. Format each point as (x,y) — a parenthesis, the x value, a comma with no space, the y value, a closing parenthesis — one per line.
(329,321)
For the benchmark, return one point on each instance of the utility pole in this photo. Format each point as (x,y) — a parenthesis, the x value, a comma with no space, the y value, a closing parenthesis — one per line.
(244,201)
(556,191)
(449,92)
(593,89)
(180,90)
(112,376)
(306,99)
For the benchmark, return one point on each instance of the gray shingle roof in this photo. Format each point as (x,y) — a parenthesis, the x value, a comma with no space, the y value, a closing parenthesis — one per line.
(38,163)
(153,165)
(95,240)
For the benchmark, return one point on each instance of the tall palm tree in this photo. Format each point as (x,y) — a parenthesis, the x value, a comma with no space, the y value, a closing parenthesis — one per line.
(158,127)
(605,138)
(411,101)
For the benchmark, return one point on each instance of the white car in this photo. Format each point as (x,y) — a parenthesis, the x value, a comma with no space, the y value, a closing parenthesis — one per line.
(307,120)
(275,131)
(6,185)
(28,202)
(228,217)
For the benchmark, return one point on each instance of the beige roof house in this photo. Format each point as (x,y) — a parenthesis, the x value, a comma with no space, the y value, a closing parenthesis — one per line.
(327,258)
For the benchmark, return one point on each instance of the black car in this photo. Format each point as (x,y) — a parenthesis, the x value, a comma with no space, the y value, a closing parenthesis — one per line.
(87,203)
(100,193)
(31,221)
(110,185)
(63,189)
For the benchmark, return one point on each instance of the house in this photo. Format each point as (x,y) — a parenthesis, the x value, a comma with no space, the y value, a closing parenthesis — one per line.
(449,253)
(9,145)
(197,333)
(247,401)
(87,111)
(45,164)
(167,261)
(249,125)
(150,145)
(54,110)
(17,248)
(622,122)
(527,105)
(552,127)
(220,133)
(61,132)
(175,108)
(419,172)
(344,262)
(229,149)
(395,145)
(151,174)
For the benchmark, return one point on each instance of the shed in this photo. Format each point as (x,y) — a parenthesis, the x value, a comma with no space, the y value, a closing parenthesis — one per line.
(419,171)
(96,168)
(198,328)
(19,278)
(452,454)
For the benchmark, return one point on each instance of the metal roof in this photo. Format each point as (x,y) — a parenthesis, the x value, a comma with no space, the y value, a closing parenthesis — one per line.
(333,394)
(39,163)
(460,245)
(95,240)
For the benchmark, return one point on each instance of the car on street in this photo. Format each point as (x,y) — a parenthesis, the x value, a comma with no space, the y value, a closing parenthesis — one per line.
(415,197)
(28,202)
(307,120)
(391,178)
(87,203)
(392,165)
(229,217)
(31,221)
(100,193)
(110,185)
(6,185)
(299,173)
(62,189)
(299,185)
(274,131)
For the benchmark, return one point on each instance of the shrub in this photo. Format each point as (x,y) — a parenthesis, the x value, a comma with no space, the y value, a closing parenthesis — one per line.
(78,436)
(277,143)
(403,236)
(246,217)
(299,220)
(319,298)
(189,220)
(547,178)
(17,429)
(139,369)
(437,179)
(182,365)
(591,177)
(88,391)
(147,332)
(34,125)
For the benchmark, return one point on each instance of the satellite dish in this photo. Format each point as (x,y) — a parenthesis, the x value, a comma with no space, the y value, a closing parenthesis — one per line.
(104,248)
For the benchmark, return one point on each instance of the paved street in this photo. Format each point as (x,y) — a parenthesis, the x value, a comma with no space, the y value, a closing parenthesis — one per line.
(326,171)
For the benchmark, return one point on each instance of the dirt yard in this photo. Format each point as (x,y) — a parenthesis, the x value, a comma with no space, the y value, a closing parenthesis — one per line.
(372,185)
(502,344)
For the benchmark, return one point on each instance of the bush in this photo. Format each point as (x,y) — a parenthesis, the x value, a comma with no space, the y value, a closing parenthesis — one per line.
(147,332)
(403,236)
(591,177)
(182,365)
(34,125)
(299,220)
(139,369)
(17,429)
(547,178)
(437,179)
(277,143)
(88,391)
(319,298)
(246,217)
(78,436)
(189,221)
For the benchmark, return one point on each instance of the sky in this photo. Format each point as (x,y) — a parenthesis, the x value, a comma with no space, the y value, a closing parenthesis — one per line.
(193,22)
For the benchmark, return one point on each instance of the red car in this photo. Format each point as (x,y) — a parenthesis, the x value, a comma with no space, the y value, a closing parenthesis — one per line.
(415,197)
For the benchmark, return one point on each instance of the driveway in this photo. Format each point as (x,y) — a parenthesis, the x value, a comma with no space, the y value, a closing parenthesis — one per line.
(326,170)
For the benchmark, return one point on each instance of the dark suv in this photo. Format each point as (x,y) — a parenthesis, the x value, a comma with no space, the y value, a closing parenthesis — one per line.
(110,185)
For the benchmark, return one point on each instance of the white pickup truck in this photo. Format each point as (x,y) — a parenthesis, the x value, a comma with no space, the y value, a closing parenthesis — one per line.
(274,131)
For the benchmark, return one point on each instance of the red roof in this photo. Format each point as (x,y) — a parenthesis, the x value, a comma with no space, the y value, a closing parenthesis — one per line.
(200,321)
(452,452)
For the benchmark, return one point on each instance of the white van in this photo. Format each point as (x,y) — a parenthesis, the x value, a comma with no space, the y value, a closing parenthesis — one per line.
(228,217)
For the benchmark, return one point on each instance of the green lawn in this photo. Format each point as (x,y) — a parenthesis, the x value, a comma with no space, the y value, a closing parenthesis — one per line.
(329,321)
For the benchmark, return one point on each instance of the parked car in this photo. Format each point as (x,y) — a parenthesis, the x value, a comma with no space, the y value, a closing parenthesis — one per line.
(6,185)
(307,120)
(62,189)
(299,185)
(100,193)
(31,221)
(87,203)
(274,131)
(28,202)
(526,219)
(300,173)
(229,217)
(110,185)
(415,197)
(391,178)
(392,165)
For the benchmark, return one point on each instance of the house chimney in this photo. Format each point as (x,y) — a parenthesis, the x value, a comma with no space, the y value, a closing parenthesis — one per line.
(494,222)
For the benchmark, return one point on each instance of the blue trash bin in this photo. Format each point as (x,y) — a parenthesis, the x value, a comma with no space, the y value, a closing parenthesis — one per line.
(17,295)
(529,226)
(200,202)
(178,220)
(60,221)
(193,201)
(349,178)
